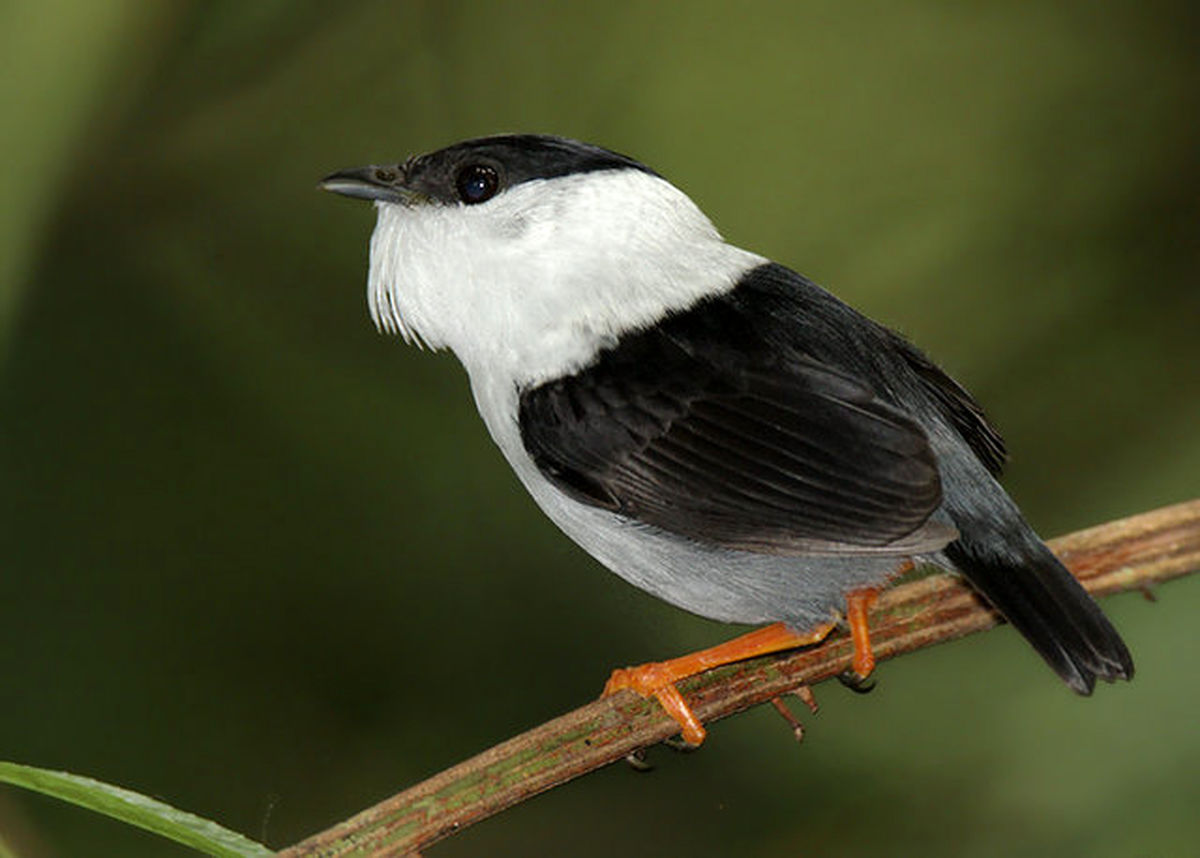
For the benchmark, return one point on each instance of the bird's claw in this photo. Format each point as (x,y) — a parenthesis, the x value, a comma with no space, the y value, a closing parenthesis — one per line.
(856,682)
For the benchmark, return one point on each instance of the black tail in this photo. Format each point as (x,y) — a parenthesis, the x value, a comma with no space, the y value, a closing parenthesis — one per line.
(997,550)
(1044,602)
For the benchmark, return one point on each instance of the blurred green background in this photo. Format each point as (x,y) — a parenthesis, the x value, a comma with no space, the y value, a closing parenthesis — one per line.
(264,563)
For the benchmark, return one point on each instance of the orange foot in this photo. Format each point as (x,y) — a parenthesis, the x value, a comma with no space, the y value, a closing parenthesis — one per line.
(858,603)
(658,678)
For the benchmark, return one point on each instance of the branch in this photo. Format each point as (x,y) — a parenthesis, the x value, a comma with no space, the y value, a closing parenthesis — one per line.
(1131,554)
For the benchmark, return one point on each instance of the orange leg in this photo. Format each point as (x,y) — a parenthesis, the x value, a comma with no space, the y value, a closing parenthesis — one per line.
(858,603)
(658,678)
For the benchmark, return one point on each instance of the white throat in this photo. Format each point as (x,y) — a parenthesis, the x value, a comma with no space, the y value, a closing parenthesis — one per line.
(532,283)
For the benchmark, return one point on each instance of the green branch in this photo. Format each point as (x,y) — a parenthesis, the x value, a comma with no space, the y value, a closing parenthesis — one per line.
(1131,554)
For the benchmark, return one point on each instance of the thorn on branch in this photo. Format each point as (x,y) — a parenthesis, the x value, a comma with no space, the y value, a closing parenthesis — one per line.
(805,693)
(809,699)
(793,721)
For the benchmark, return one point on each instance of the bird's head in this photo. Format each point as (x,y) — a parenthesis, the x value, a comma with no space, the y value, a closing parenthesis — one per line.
(532,251)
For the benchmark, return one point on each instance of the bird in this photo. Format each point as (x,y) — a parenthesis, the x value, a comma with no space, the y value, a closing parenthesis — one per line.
(710,425)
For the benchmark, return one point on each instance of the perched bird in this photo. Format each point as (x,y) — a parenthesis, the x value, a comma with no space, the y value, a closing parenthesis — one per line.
(710,425)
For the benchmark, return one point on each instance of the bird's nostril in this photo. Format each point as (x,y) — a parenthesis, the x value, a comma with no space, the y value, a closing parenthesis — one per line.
(385,175)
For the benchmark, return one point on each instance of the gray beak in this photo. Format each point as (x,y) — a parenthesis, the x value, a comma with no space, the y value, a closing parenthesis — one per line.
(370,183)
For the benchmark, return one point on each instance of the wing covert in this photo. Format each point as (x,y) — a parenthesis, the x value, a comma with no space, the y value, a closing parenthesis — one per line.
(728,446)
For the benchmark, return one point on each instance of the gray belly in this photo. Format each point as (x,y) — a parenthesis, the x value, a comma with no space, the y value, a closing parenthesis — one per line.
(733,586)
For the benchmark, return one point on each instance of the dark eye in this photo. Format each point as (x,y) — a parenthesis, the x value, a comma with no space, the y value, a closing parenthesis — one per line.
(477,183)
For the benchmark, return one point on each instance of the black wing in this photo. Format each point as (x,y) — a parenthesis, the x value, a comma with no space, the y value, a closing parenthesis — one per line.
(957,406)
(805,317)
(717,441)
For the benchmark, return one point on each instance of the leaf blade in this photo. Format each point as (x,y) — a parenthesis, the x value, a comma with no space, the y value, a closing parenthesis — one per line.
(135,809)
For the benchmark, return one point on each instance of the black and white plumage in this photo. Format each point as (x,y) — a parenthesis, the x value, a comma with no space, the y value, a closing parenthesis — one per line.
(710,425)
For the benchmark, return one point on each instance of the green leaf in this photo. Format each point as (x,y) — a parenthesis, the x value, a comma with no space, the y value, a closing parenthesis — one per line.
(135,809)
